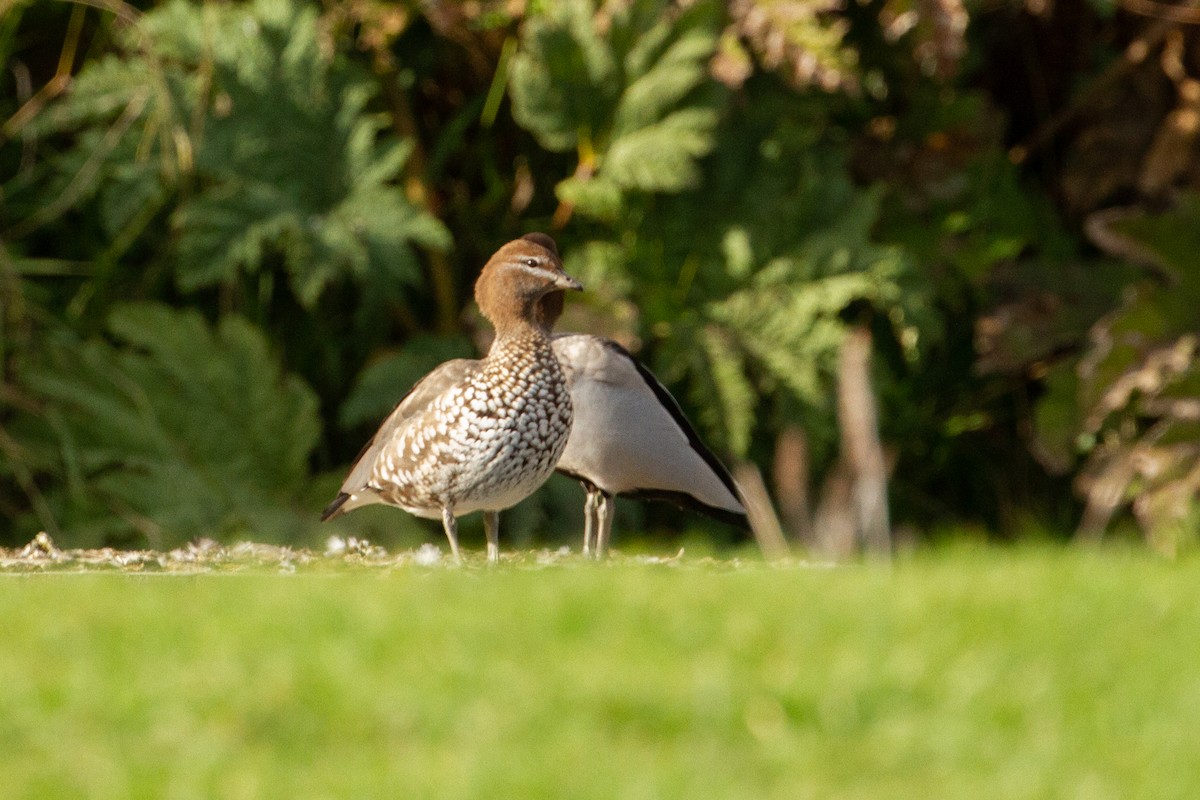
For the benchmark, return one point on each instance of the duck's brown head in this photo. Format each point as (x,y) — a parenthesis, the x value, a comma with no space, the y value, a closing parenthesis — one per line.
(517,278)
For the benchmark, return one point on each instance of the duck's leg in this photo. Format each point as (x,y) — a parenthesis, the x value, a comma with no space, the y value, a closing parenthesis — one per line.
(604,509)
(450,524)
(491,526)
(589,519)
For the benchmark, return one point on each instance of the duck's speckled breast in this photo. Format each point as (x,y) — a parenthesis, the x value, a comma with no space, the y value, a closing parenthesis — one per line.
(486,443)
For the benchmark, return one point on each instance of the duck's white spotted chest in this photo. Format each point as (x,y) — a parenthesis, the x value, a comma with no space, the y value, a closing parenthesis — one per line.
(488,442)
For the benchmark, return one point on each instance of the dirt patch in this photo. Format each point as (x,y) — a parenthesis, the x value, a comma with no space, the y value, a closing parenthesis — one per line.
(208,556)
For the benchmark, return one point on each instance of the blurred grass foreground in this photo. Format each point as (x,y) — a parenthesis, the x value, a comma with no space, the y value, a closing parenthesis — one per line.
(1028,673)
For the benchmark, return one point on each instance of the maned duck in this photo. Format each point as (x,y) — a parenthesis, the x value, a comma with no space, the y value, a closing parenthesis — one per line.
(477,435)
(630,437)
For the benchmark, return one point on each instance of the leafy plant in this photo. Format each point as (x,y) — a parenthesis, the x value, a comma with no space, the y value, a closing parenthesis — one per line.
(737,183)
(801,40)
(741,283)
(1131,404)
(620,85)
(176,431)
(261,140)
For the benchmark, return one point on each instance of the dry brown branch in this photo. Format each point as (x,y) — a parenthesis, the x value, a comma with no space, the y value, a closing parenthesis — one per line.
(56,85)
(1166,12)
(763,520)
(833,524)
(1135,54)
(791,473)
(1174,143)
(861,449)
(1105,492)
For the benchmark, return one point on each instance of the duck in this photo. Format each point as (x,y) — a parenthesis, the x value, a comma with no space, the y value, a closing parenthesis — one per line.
(630,437)
(478,435)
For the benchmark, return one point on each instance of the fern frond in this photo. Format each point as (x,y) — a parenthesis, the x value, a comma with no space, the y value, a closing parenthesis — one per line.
(179,431)
(626,98)
(736,395)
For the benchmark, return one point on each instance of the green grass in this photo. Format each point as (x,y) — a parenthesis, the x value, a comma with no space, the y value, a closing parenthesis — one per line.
(1029,674)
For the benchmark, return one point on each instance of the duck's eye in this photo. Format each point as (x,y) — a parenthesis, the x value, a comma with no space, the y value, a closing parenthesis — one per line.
(531,262)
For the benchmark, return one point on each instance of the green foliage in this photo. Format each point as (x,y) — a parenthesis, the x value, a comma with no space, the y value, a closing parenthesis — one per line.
(265,140)
(736,399)
(734,182)
(626,99)
(1132,402)
(382,383)
(757,267)
(803,41)
(177,431)
(290,160)
(752,252)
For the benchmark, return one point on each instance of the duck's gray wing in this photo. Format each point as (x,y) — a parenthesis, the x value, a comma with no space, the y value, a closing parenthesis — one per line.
(417,400)
(630,437)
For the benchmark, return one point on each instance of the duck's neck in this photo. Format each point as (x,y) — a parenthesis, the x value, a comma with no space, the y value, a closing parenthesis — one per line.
(519,333)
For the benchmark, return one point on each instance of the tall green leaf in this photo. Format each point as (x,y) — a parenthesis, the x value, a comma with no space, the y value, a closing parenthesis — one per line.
(177,431)
(758,263)
(627,96)
(263,138)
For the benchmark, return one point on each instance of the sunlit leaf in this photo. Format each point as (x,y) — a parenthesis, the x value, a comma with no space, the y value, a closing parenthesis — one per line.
(628,100)
(180,430)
